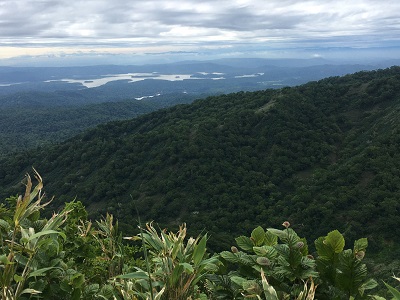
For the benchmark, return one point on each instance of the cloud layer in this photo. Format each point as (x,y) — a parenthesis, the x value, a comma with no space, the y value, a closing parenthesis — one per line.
(173,25)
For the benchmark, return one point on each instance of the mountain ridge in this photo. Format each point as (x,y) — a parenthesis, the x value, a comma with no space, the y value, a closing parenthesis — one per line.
(321,155)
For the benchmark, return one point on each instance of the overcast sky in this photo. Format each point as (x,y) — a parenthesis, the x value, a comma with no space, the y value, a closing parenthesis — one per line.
(145,30)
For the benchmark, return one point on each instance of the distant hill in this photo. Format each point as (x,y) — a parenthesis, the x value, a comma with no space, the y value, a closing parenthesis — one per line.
(323,155)
(29,121)
(41,105)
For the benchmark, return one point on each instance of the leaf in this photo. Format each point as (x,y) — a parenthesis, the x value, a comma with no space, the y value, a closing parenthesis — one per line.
(324,251)
(187,267)
(176,274)
(30,291)
(199,251)
(42,233)
(360,245)
(4,259)
(244,243)
(269,291)
(91,289)
(78,280)
(238,280)
(159,294)
(393,291)
(134,275)
(266,251)
(351,273)
(40,272)
(270,239)
(229,256)
(258,236)
(4,224)
(335,240)
(279,233)
(368,285)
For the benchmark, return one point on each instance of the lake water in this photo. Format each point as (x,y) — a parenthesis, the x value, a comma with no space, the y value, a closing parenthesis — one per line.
(131,77)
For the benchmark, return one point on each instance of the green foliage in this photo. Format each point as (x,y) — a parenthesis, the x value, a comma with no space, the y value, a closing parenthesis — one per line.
(30,246)
(285,265)
(226,162)
(41,258)
(178,266)
(342,271)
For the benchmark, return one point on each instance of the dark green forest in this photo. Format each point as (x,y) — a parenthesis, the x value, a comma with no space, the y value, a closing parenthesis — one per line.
(29,120)
(323,156)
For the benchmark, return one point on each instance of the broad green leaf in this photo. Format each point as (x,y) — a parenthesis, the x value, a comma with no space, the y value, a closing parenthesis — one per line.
(279,233)
(270,239)
(351,272)
(335,240)
(238,280)
(199,251)
(107,291)
(188,267)
(260,251)
(229,256)
(266,251)
(65,286)
(368,285)
(244,243)
(4,259)
(78,280)
(76,294)
(258,236)
(323,250)
(18,278)
(91,289)
(360,245)
(4,224)
(134,275)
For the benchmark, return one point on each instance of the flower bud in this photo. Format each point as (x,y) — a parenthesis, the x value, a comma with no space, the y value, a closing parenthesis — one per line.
(263,261)
(360,255)
(286,224)
(234,249)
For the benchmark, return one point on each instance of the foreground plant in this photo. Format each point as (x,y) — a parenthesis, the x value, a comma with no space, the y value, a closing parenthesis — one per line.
(343,272)
(26,242)
(393,291)
(177,266)
(273,264)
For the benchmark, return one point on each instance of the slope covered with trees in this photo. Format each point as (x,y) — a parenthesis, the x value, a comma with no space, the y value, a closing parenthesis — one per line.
(30,120)
(322,155)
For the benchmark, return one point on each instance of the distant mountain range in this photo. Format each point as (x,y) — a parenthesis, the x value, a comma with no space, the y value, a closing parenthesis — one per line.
(42,105)
(233,74)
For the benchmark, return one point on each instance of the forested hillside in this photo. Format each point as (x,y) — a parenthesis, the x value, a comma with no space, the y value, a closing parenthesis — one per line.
(323,155)
(30,120)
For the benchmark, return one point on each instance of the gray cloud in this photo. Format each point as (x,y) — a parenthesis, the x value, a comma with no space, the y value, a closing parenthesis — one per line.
(114,23)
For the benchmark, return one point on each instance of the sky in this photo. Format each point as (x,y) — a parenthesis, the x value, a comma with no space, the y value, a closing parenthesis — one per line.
(153,31)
